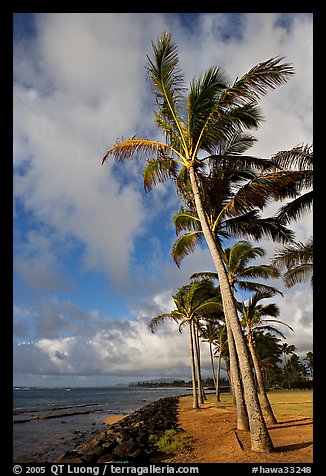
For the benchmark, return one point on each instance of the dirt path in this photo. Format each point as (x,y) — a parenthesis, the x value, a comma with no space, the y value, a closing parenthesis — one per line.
(216,441)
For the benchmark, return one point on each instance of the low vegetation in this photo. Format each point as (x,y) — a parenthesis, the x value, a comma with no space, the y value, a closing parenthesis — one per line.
(171,442)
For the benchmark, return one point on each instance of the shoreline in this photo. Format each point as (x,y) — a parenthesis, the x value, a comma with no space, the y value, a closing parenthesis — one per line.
(128,439)
(125,437)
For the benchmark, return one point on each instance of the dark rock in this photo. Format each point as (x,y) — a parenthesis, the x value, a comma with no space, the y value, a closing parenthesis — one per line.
(128,439)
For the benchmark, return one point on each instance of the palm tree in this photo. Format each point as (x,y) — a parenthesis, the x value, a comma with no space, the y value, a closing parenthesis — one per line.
(268,351)
(294,371)
(209,334)
(192,301)
(220,345)
(215,334)
(309,360)
(287,349)
(251,320)
(212,111)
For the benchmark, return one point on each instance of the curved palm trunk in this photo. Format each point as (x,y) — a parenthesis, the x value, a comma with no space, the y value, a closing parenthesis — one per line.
(269,414)
(242,414)
(193,370)
(260,438)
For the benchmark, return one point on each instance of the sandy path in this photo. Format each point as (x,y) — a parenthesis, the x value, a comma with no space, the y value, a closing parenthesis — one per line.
(216,439)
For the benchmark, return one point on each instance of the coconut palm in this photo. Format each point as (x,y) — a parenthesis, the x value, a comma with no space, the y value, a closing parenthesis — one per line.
(252,314)
(220,345)
(287,349)
(193,301)
(215,334)
(195,123)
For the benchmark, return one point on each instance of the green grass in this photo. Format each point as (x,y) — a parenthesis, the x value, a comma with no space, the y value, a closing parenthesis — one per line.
(171,442)
(284,402)
(291,402)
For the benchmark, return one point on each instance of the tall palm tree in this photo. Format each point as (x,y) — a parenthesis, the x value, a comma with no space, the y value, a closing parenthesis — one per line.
(252,314)
(220,345)
(192,301)
(212,111)
(209,334)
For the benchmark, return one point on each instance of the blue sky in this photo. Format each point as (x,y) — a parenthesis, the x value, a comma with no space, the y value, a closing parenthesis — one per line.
(92,261)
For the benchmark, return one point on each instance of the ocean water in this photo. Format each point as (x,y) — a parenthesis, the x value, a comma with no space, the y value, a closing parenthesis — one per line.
(40,439)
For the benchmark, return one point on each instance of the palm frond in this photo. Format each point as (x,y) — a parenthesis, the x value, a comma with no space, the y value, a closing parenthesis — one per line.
(294,255)
(258,81)
(253,286)
(205,275)
(168,82)
(299,157)
(129,148)
(186,221)
(276,321)
(158,171)
(185,245)
(161,318)
(262,190)
(268,328)
(298,274)
(235,144)
(239,255)
(295,209)
(260,271)
(209,307)
(203,95)
(250,225)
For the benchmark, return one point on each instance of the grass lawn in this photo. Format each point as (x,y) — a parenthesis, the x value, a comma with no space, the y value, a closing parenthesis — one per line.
(284,402)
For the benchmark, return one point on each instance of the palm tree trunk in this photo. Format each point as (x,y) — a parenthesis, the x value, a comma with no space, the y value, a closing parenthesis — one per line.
(242,414)
(269,414)
(217,380)
(197,360)
(212,364)
(193,370)
(260,438)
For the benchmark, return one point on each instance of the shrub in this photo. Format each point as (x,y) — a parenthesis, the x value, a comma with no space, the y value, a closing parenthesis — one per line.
(171,441)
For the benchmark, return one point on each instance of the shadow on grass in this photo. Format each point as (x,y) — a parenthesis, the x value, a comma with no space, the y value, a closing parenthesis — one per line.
(289,423)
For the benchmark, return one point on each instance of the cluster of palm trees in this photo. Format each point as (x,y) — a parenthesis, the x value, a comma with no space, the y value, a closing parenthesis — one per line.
(222,192)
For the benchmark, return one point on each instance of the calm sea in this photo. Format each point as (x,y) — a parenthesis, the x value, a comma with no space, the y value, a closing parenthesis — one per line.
(37,439)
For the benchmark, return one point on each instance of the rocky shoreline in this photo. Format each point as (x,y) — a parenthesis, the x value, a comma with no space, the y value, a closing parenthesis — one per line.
(129,439)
